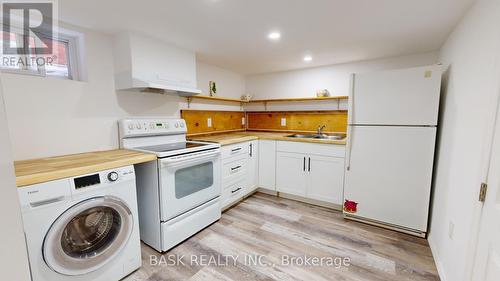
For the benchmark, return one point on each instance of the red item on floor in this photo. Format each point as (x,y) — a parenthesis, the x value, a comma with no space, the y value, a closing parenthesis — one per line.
(350,206)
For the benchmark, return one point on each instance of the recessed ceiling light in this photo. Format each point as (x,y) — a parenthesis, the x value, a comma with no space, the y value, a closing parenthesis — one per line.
(308,58)
(274,36)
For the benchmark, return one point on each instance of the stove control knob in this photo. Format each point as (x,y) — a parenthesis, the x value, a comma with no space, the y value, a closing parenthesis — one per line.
(166,125)
(182,125)
(177,125)
(113,176)
(130,126)
(138,126)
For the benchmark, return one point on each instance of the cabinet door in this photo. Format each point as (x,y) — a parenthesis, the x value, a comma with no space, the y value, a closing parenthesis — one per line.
(253,166)
(325,178)
(267,164)
(291,173)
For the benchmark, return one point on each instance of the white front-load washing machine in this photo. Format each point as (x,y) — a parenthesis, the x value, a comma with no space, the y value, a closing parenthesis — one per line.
(82,228)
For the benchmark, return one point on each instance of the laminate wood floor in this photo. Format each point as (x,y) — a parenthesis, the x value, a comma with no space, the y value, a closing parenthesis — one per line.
(271,238)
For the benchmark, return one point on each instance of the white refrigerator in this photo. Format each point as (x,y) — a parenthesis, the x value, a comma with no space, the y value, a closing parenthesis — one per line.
(391,140)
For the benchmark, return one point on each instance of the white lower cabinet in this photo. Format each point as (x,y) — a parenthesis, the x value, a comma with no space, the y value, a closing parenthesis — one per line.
(326,179)
(291,176)
(240,169)
(267,164)
(253,166)
(302,171)
(309,170)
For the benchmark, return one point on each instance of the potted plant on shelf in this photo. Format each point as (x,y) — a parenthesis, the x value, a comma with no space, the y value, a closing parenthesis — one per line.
(213,88)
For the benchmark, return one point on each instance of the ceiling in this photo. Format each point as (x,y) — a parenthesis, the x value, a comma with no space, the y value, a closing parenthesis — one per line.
(233,33)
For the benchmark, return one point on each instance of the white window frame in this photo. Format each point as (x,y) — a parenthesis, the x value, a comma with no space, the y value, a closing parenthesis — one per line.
(73,40)
(72,56)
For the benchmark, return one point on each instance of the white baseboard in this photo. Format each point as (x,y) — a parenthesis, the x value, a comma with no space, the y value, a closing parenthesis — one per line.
(300,199)
(267,191)
(310,201)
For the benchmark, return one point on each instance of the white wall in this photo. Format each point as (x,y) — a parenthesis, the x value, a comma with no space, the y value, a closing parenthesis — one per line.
(470,91)
(229,84)
(335,78)
(50,116)
(13,257)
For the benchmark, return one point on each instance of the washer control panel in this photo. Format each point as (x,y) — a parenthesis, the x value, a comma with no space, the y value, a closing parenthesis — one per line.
(57,191)
(147,127)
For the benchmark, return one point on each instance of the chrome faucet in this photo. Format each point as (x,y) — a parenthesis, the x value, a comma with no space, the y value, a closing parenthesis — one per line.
(320,129)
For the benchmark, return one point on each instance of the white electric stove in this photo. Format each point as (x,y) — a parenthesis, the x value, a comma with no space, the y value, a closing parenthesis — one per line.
(178,194)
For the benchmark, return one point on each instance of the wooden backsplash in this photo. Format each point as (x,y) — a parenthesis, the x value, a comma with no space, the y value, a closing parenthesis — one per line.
(228,121)
(335,121)
(222,121)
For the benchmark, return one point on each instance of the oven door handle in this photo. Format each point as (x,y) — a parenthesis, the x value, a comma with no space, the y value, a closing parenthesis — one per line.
(196,157)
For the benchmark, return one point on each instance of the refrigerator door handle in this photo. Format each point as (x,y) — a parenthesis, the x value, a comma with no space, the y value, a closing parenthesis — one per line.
(349,147)
(350,121)
(304,169)
(309,166)
(350,101)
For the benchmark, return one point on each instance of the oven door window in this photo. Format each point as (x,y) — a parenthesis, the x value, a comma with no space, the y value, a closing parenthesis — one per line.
(192,179)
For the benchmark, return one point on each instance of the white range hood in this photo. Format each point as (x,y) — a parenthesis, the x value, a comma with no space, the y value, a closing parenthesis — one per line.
(149,65)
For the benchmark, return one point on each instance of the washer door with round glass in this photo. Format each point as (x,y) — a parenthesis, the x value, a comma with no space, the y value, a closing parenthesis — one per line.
(88,235)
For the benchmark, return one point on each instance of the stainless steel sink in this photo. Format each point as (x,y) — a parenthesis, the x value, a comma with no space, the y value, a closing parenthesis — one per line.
(331,137)
(311,136)
(316,136)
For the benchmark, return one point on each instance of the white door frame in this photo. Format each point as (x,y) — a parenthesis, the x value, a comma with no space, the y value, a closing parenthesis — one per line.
(478,265)
(478,216)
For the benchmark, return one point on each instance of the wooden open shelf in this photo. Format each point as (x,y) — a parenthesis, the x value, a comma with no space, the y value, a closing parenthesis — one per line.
(265,101)
(216,98)
(299,99)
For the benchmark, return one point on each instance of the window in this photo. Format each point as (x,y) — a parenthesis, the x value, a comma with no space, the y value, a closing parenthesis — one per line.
(60,66)
(62,63)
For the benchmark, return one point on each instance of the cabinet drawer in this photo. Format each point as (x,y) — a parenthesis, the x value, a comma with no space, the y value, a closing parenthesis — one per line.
(234,150)
(233,193)
(334,150)
(234,170)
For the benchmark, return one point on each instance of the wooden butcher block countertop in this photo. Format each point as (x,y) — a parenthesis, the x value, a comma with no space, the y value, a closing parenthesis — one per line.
(36,171)
(243,136)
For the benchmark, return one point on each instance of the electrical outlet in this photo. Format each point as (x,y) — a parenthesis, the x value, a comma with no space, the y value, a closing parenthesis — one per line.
(451,229)
(209,122)
(283,122)
(242,120)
